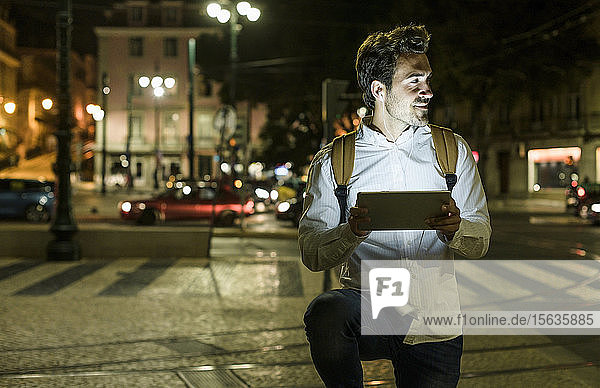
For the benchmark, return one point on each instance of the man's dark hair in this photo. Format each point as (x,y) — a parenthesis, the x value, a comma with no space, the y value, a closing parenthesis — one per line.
(377,56)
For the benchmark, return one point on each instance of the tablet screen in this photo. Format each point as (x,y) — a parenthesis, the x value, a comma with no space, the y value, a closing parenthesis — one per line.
(401,210)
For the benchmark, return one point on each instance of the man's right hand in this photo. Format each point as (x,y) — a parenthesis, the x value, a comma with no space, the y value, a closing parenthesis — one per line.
(358,215)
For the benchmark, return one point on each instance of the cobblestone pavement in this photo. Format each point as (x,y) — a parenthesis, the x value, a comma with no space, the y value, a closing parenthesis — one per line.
(232,320)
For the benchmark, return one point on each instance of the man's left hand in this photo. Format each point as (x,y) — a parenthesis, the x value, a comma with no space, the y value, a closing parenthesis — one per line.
(447,224)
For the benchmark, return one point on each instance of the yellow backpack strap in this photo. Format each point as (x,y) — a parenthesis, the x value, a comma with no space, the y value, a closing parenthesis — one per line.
(342,161)
(446,151)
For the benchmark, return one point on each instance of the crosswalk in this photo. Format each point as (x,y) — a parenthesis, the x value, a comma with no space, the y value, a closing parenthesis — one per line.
(570,282)
(147,277)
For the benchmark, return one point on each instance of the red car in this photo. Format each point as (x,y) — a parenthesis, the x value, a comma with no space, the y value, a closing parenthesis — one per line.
(187,203)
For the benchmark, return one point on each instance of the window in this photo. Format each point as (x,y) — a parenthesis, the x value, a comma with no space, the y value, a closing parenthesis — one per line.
(136,47)
(170,47)
(136,16)
(134,88)
(138,170)
(170,128)
(170,16)
(136,126)
(504,114)
(574,107)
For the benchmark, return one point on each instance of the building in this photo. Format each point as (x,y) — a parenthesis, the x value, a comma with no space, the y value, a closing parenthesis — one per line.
(38,109)
(539,142)
(143,59)
(9,65)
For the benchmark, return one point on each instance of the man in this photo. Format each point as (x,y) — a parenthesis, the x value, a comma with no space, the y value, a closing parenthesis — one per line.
(394,152)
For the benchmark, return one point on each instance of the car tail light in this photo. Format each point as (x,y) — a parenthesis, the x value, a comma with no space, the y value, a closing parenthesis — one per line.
(249,206)
(581,192)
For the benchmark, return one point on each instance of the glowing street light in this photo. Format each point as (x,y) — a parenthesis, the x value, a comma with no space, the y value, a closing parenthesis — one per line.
(47,103)
(253,14)
(156,81)
(10,107)
(213,10)
(144,81)
(169,82)
(159,91)
(223,16)
(92,108)
(98,115)
(243,7)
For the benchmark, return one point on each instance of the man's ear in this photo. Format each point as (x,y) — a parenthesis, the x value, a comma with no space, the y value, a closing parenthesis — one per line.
(378,90)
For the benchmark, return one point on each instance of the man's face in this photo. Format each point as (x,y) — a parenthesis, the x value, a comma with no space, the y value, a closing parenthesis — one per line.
(408,99)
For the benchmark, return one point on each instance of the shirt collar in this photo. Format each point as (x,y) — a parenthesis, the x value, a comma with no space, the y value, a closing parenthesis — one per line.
(371,135)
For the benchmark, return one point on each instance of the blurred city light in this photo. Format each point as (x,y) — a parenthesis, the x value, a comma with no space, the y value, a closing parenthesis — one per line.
(581,192)
(253,14)
(169,82)
(361,112)
(144,81)
(223,16)
(106,90)
(213,10)
(596,208)
(261,193)
(536,187)
(281,171)
(159,91)
(283,207)
(10,107)
(141,205)
(91,108)
(243,7)
(47,103)
(186,190)
(156,81)
(179,185)
(126,207)
(274,195)
(225,167)
(238,184)
(98,115)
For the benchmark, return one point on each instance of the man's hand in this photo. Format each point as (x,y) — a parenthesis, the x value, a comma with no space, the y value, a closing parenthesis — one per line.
(447,224)
(358,215)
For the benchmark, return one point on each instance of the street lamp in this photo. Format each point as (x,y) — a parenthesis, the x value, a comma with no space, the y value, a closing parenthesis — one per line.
(159,86)
(47,103)
(224,12)
(10,107)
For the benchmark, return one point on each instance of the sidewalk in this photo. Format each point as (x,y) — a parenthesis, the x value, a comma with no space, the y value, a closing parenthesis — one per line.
(232,321)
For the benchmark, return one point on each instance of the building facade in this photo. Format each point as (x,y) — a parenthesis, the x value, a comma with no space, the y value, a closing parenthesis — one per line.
(143,59)
(9,66)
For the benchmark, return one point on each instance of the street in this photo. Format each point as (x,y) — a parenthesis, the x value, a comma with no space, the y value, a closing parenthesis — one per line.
(236,319)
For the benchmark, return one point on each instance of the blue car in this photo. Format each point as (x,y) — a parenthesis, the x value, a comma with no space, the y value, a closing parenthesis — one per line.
(26,198)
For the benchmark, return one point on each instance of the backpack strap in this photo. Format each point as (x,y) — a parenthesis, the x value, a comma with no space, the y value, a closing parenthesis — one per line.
(446,151)
(342,161)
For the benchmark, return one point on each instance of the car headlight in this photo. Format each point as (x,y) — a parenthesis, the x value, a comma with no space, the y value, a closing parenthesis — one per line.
(283,207)
(126,207)
(274,195)
(596,208)
(261,193)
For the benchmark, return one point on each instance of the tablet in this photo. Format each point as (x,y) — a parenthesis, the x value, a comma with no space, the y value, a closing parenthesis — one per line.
(401,210)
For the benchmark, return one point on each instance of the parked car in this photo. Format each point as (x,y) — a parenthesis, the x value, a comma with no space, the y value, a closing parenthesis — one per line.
(27,198)
(189,202)
(589,202)
(291,208)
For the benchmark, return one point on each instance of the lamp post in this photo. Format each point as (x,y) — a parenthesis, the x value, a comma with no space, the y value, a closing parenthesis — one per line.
(159,87)
(224,12)
(63,247)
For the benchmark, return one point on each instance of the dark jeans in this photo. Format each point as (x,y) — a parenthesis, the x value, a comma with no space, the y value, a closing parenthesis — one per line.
(333,324)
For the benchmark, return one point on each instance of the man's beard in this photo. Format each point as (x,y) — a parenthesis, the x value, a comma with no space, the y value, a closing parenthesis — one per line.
(410,115)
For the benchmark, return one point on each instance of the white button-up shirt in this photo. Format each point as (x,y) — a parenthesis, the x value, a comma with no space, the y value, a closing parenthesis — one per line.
(408,164)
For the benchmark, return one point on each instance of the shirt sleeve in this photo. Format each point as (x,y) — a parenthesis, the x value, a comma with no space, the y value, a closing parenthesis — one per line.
(323,243)
(473,236)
